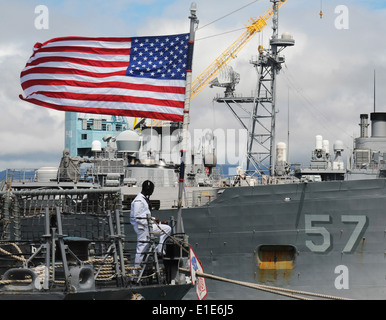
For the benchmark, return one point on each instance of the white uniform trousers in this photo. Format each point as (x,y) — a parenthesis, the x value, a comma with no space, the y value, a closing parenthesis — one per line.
(143,239)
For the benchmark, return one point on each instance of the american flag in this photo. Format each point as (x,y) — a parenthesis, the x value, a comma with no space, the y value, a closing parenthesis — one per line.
(137,77)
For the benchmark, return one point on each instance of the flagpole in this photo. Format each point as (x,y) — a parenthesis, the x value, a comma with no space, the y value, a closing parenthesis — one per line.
(185,124)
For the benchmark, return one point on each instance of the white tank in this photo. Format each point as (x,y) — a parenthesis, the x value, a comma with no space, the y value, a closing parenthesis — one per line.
(318,142)
(46,174)
(128,141)
(281,152)
(96,146)
(326,146)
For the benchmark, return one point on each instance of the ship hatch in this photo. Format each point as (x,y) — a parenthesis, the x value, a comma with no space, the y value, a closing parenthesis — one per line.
(276,257)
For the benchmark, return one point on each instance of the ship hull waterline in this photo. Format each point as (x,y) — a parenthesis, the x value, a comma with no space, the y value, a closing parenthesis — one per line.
(156,292)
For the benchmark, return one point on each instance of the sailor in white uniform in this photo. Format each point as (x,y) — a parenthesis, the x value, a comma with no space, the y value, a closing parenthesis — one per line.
(140,208)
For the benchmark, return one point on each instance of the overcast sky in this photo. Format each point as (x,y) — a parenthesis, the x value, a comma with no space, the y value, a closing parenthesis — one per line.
(328,74)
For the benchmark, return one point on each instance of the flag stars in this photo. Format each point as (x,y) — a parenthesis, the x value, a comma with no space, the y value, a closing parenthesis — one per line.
(159,57)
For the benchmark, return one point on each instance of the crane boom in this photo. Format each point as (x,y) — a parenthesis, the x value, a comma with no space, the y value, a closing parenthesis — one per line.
(256,25)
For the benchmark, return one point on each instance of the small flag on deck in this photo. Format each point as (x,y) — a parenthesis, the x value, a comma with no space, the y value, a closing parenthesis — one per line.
(199,282)
(137,76)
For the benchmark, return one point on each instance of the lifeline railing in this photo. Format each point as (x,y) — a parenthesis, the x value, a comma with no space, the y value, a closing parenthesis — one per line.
(46,222)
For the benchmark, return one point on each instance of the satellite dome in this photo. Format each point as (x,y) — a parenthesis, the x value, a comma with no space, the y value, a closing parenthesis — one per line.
(338,145)
(128,141)
(96,146)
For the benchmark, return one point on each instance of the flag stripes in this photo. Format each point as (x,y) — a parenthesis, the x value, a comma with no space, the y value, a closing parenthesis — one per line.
(139,77)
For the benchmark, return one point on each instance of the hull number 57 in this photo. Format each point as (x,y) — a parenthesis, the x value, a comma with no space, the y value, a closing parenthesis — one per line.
(314,226)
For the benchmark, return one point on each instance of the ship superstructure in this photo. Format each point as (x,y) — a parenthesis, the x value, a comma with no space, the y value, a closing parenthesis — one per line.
(369,156)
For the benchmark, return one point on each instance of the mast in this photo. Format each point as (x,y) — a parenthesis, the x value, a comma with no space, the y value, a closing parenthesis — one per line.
(374,90)
(268,66)
(185,124)
(259,116)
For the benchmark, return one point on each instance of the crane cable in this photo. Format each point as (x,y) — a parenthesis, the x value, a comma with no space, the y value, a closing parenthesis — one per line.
(227,15)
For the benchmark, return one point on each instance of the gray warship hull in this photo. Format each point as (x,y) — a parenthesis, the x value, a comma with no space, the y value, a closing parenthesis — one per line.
(327,237)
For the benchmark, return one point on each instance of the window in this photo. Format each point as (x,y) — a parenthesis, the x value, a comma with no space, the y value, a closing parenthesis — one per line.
(97,124)
(84,124)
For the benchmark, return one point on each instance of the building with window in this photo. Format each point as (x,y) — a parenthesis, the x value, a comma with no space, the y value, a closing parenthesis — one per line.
(81,129)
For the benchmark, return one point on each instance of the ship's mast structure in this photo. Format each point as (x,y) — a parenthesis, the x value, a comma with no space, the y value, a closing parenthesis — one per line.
(258,114)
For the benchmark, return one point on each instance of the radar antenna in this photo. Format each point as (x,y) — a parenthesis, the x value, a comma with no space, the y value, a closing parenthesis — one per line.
(227,79)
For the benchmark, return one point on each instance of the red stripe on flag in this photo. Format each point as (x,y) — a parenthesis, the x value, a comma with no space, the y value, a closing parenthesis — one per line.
(86,62)
(107,39)
(110,84)
(101,51)
(116,112)
(113,98)
(72,71)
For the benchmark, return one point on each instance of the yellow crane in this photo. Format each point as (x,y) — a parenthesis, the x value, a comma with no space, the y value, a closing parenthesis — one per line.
(255,26)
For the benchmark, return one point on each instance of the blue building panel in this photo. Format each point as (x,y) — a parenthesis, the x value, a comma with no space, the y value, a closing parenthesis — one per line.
(82,129)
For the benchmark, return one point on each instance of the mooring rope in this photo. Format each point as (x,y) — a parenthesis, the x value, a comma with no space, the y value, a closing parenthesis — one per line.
(106,273)
(281,291)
